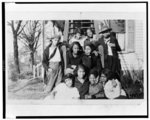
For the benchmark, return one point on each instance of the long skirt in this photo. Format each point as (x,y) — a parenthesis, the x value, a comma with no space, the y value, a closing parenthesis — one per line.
(54,77)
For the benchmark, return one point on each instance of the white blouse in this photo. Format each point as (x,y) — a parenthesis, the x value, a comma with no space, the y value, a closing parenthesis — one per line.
(65,92)
(110,53)
(56,57)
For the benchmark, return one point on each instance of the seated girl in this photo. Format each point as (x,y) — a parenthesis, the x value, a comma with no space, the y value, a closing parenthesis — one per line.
(89,60)
(77,38)
(74,57)
(104,74)
(65,90)
(112,87)
(95,87)
(81,83)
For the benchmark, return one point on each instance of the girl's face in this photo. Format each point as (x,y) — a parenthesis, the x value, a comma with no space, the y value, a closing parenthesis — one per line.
(88,50)
(55,41)
(89,33)
(75,49)
(92,79)
(78,35)
(68,82)
(103,78)
(81,73)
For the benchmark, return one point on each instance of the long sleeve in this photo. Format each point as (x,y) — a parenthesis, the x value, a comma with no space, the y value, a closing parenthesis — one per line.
(68,60)
(45,59)
(117,45)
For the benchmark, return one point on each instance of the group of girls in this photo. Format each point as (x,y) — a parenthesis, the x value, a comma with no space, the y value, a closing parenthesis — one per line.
(91,86)
(84,78)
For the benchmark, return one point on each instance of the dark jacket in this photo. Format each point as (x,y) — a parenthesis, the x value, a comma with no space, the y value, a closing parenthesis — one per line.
(45,60)
(115,49)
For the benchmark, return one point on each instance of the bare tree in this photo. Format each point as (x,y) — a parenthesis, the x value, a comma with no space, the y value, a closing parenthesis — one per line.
(17,28)
(30,37)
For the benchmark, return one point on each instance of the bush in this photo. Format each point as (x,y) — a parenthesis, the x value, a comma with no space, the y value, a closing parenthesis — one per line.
(132,83)
(13,76)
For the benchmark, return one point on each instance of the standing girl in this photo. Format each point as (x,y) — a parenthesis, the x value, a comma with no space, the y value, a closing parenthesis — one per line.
(81,83)
(53,64)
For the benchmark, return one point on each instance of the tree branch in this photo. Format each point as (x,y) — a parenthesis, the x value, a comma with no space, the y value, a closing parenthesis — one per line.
(18,26)
(21,29)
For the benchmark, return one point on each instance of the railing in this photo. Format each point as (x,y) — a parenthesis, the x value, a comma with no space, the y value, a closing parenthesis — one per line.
(38,70)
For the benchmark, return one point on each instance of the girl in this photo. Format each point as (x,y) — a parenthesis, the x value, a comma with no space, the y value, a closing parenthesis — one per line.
(95,88)
(66,90)
(77,38)
(74,57)
(53,64)
(90,37)
(112,87)
(104,75)
(81,83)
(89,60)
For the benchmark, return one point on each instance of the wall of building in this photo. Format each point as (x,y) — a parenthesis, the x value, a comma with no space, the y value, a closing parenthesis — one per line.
(134,60)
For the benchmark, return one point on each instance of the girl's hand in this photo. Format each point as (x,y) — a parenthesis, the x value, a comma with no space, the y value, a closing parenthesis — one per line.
(95,53)
(73,66)
(49,69)
(112,45)
(88,96)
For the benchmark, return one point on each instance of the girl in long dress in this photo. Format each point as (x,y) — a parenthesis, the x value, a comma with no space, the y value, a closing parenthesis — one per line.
(53,64)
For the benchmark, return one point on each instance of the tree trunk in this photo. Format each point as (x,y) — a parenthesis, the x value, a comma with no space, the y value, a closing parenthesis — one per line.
(16,59)
(32,59)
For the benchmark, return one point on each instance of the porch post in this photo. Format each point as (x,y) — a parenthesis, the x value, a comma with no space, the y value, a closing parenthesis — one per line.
(42,42)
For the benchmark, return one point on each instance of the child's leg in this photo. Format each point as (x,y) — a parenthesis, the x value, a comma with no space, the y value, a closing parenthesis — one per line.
(59,76)
(52,78)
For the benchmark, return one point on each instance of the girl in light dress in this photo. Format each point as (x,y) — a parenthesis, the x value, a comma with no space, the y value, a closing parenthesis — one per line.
(65,90)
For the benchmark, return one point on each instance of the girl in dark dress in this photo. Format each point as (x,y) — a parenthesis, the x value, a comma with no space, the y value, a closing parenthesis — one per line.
(96,87)
(89,60)
(81,82)
(74,57)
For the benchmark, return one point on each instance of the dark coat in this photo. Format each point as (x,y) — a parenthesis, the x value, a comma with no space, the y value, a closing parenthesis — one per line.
(111,62)
(115,49)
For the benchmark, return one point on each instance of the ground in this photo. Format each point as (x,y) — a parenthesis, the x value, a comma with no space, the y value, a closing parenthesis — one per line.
(34,89)
(26,89)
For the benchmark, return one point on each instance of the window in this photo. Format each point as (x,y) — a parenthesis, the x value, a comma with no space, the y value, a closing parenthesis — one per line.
(125,30)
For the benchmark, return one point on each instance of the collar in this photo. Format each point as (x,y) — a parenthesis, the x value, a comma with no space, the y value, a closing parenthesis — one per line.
(106,40)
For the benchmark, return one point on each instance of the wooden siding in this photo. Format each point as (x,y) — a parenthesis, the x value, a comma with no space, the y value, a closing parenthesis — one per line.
(133,60)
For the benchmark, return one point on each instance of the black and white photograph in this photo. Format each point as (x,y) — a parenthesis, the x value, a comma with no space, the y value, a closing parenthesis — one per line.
(78,56)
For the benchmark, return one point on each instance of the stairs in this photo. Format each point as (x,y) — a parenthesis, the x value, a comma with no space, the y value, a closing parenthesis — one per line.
(71,25)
